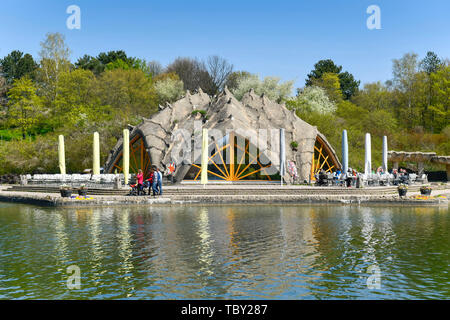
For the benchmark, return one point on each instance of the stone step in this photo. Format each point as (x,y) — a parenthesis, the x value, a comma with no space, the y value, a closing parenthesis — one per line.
(230,191)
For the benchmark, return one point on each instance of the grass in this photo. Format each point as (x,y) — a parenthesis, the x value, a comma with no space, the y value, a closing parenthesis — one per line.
(10,134)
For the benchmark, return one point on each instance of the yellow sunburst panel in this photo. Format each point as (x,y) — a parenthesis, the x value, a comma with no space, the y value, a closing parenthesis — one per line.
(139,158)
(235,170)
(321,160)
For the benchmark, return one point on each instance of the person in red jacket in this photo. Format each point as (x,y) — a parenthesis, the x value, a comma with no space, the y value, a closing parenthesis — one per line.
(140,181)
(150,181)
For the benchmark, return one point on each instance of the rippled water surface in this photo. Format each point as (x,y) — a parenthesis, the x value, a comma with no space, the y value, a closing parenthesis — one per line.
(242,252)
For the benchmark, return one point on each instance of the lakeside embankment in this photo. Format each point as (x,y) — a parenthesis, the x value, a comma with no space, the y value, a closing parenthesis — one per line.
(229,194)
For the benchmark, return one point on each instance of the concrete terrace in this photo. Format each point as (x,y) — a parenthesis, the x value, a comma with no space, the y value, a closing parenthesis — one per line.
(226,194)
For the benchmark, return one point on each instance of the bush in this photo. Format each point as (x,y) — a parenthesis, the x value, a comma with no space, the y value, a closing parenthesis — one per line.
(169,90)
(270,86)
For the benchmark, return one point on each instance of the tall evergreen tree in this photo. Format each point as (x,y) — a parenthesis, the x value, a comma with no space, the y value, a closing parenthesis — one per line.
(16,65)
(349,86)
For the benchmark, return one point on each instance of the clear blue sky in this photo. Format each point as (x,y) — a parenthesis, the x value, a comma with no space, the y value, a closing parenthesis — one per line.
(283,38)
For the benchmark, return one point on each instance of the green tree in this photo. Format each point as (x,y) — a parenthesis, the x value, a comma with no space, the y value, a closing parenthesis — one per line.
(440,109)
(404,71)
(108,61)
(118,64)
(88,62)
(16,65)
(77,102)
(375,96)
(111,56)
(130,93)
(348,84)
(330,83)
(321,67)
(24,107)
(54,60)
(430,64)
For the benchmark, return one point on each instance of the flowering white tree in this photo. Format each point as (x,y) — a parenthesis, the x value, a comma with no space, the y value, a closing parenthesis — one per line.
(270,86)
(169,89)
(313,99)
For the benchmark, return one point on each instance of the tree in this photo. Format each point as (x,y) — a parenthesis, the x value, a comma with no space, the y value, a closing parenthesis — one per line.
(118,64)
(130,93)
(312,99)
(54,60)
(3,90)
(234,78)
(430,64)
(348,84)
(77,102)
(142,65)
(219,69)
(111,56)
(375,96)
(100,63)
(193,73)
(270,86)
(16,65)
(155,68)
(168,88)
(321,67)
(404,71)
(440,108)
(330,83)
(379,123)
(24,105)
(88,62)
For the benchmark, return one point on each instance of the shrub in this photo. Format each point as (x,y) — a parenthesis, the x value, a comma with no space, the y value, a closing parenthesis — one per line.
(169,90)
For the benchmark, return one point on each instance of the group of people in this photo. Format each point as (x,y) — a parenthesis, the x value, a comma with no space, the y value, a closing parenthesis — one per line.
(354,178)
(351,177)
(401,174)
(153,183)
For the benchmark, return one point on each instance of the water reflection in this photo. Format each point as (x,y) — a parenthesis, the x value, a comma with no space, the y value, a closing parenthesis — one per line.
(287,252)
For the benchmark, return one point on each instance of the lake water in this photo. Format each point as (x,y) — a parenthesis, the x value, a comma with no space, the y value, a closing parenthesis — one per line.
(225,252)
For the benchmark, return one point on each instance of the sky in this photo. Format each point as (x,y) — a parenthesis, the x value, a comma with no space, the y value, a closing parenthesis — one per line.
(282,38)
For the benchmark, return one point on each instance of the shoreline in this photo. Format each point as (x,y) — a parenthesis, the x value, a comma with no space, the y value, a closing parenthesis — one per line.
(234,196)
